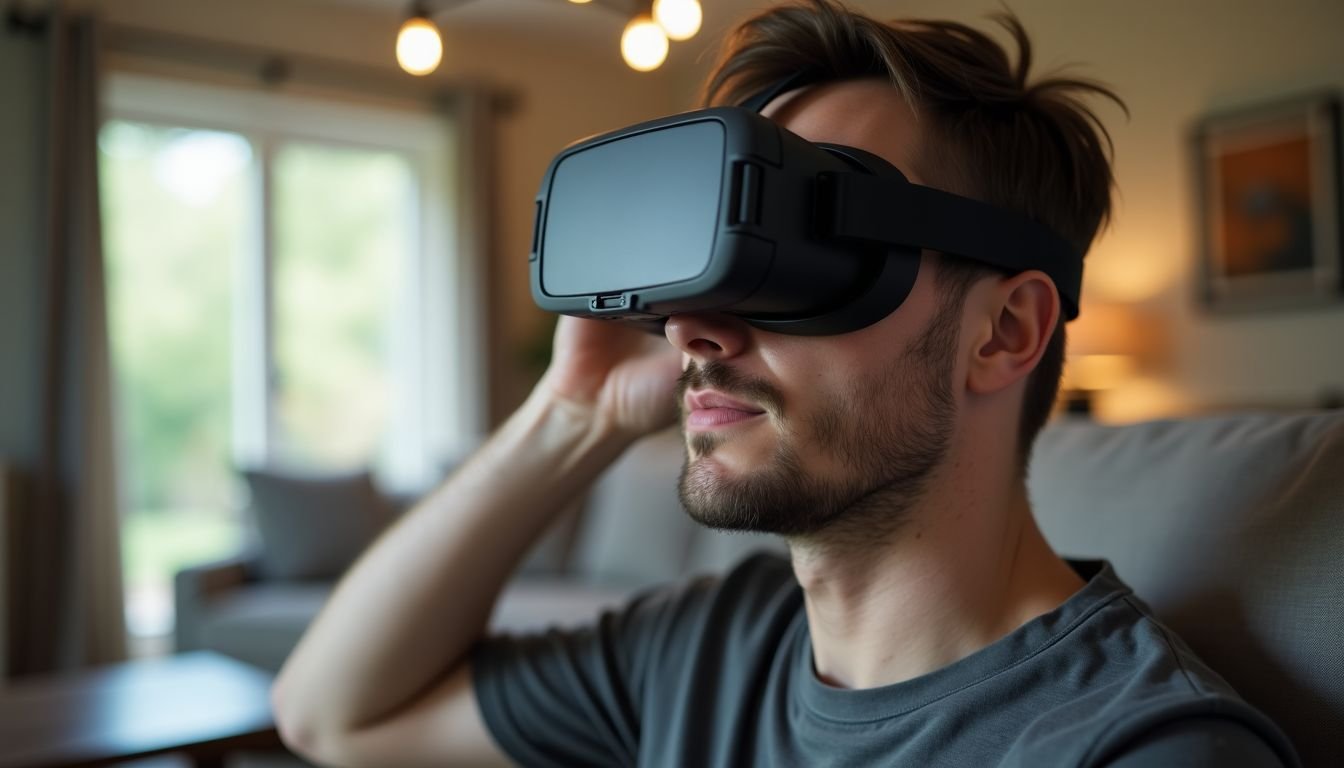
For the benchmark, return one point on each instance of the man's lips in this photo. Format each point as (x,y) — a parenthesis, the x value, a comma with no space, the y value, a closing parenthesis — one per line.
(709,409)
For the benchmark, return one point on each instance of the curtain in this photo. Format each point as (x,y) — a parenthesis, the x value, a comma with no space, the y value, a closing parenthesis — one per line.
(69,612)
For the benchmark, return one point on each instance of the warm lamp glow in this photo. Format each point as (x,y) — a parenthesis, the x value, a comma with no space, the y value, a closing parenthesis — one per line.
(643,44)
(1093,373)
(1104,329)
(580,2)
(419,47)
(680,19)
(1108,344)
(1135,264)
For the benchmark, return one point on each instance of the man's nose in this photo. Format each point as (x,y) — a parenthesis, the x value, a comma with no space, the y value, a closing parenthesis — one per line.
(708,336)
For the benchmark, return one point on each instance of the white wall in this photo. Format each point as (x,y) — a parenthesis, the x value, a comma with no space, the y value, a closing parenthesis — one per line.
(1173,61)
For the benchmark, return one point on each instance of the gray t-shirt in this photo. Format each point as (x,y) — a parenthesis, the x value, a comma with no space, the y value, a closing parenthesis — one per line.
(718,672)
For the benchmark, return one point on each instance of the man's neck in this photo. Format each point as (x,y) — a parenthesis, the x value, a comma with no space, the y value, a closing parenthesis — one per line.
(967,567)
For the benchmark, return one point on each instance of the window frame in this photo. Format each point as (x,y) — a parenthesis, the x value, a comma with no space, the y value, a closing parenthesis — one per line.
(446,363)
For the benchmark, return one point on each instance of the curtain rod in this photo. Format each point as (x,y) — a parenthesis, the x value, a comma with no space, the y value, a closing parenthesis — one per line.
(270,67)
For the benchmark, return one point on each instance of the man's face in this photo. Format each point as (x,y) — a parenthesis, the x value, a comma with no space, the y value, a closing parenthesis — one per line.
(797,435)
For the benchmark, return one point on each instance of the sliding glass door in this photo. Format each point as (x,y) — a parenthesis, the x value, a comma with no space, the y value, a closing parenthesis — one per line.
(272,263)
(177,212)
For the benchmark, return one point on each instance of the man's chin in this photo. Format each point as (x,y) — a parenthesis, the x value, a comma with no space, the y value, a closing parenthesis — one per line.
(734,453)
(760,497)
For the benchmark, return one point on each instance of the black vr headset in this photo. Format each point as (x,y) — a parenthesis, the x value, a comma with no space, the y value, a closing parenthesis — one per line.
(724,210)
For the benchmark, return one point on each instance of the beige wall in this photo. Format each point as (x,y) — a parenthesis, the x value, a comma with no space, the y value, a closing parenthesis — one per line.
(566,89)
(1172,61)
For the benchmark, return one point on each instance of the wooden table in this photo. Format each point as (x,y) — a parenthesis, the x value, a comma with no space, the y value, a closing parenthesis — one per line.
(200,703)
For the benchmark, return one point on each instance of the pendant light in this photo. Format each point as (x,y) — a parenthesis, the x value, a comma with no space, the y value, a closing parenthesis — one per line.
(644,42)
(680,19)
(419,45)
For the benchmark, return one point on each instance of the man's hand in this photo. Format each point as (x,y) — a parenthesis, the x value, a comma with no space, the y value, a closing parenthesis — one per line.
(625,377)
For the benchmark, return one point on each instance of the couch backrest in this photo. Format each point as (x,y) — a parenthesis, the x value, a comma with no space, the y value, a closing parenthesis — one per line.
(1232,529)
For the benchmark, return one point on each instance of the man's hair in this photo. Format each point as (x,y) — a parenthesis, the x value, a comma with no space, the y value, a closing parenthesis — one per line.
(988,133)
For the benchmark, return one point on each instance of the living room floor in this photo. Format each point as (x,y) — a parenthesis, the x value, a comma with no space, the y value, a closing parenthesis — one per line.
(242,760)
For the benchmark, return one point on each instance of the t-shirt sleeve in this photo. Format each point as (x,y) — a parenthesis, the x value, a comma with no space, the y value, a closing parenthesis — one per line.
(572,697)
(1199,742)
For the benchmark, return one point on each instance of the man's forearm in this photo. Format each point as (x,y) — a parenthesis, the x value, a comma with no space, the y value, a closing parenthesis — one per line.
(412,606)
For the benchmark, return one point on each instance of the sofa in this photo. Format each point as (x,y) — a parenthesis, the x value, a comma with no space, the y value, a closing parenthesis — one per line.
(626,534)
(1230,527)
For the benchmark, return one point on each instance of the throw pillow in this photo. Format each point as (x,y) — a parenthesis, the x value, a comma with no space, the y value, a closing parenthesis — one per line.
(313,527)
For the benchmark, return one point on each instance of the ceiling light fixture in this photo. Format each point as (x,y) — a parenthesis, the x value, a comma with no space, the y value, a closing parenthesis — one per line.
(419,45)
(644,43)
(680,19)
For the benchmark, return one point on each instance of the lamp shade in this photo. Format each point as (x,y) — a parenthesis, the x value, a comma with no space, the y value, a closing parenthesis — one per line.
(1104,329)
(1108,344)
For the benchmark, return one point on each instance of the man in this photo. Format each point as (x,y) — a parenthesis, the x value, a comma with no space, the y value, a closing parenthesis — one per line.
(921,618)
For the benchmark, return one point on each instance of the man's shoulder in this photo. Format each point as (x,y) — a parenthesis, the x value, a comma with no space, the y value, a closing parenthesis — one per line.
(1198,742)
(1147,659)
(1124,684)
(1141,656)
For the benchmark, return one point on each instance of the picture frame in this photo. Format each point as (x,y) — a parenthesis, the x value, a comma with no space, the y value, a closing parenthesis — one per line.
(1269,184)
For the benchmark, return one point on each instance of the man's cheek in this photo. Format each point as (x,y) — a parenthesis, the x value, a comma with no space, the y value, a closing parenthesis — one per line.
(827,427)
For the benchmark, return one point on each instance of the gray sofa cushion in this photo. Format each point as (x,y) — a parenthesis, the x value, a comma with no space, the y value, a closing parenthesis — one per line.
(1232,528)
(261,622)
(313,527)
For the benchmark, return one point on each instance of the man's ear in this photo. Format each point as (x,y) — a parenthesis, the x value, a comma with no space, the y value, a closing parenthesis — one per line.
(1022,311)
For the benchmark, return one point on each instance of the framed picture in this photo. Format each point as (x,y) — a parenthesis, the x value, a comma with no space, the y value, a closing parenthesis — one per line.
(1270,205)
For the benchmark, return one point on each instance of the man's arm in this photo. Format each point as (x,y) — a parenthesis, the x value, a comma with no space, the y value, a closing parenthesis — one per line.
(381,676)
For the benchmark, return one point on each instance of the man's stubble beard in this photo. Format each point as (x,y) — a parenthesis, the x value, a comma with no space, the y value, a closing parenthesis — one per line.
(891,430)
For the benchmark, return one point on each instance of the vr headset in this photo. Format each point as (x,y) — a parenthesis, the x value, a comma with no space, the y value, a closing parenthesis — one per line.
(723,210)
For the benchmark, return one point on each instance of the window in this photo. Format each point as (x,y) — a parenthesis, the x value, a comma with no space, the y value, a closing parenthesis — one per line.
(283,290)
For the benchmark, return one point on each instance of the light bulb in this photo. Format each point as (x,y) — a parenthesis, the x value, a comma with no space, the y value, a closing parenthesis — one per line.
(680,19)
(419,47)
(580,2)
(643,44)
